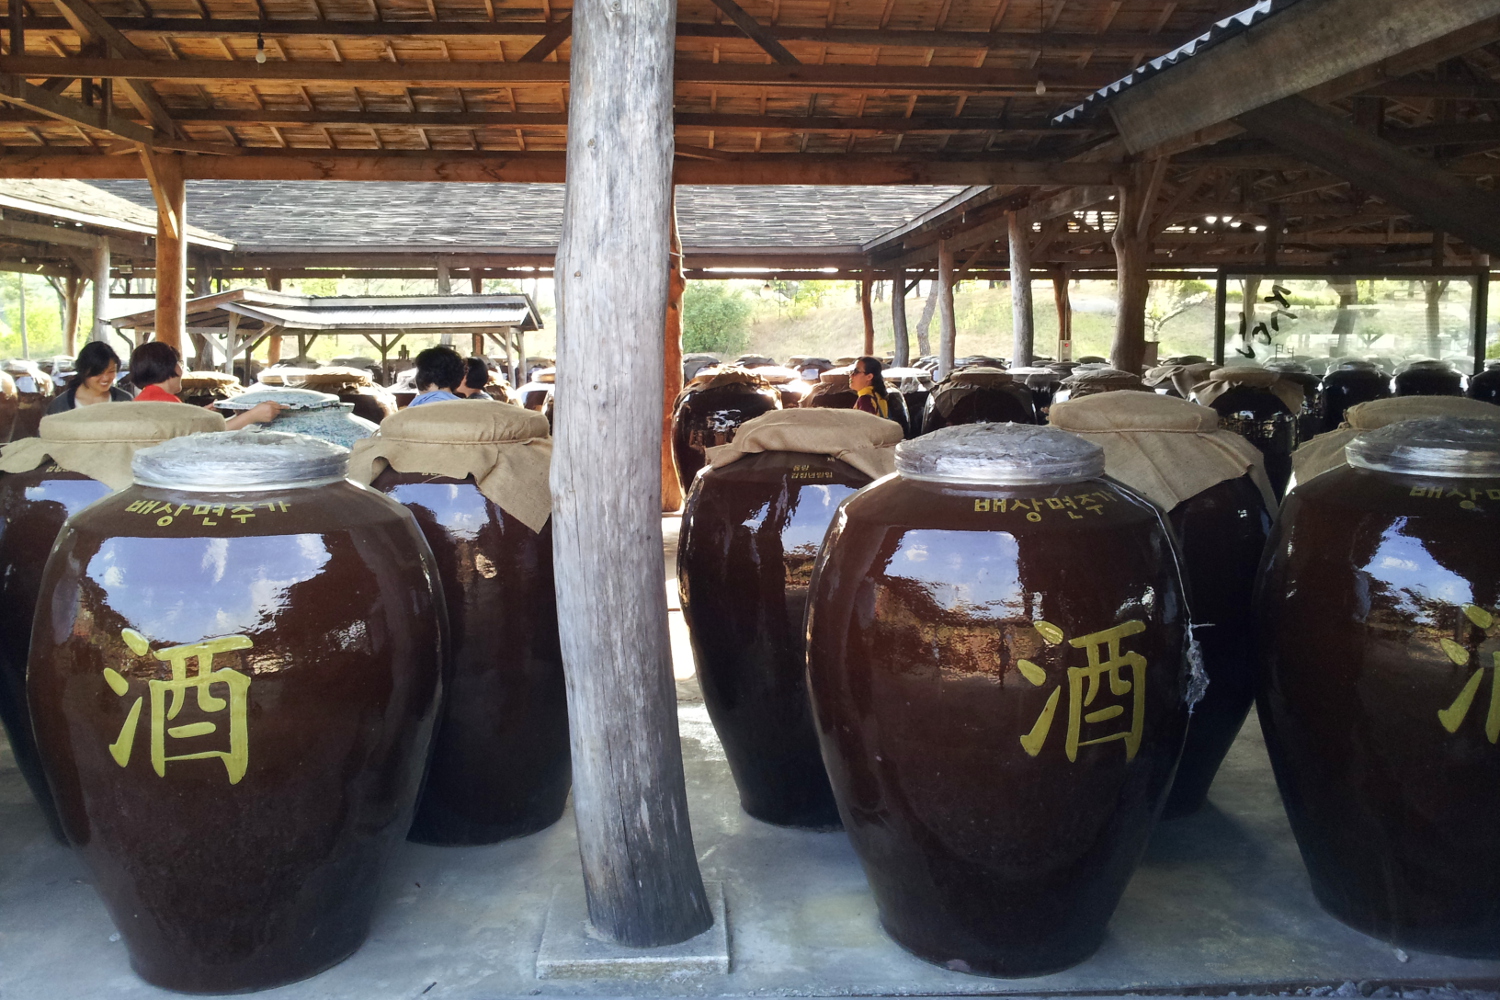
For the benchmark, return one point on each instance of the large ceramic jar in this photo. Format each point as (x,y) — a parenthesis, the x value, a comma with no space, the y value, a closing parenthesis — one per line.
(10,406)
(475,477)
(1428,378)
(832,392)
(1213,485)
(915,386)
(1043,384)
(996,661)
(1349,384)
(234,679)
(355,387)
(306,411)
(80,456)
(1089,380)
(1310,415)
(1379,612)
(978,395)
(1484,387)
(750,532)
(1326,451)
(205,388)
(34,392)
(1262,407)
(710,409)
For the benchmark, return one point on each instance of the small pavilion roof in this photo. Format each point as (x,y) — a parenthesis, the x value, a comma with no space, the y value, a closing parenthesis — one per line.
(92,206)
(349,314)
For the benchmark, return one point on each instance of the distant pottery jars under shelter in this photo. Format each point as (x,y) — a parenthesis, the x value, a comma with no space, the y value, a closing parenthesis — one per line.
(1428,378)
(915,386)
(34,393)
(1485,387)
(1348,384)
(1043,384)
(833,392)
(789,384)
(317,414)
(998,608)
(475,478)
(1379,617)
(1310,417)
(234,684)
(203,388)
(10,406)
(1327,451)
(1213,485)
(710,409)
(1086,381)
(80,456)
(354,386)
(750,533)
(978,395)
(1263,407)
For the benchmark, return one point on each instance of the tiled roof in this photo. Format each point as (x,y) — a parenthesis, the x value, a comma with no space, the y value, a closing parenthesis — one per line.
(353,313)
(92,205)
(272,216)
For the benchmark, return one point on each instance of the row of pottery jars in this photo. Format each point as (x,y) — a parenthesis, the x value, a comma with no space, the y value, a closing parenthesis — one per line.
(10,406)
(950,640)
(1262,406)
(34,393)
(833,392)
(79,456)
(751,529)
(709,410)
(475,478)
(1379,691)
(978,395)
(184,709)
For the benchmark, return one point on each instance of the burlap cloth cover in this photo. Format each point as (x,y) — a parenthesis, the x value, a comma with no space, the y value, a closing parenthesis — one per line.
(505,448)
(1182,377)
(984,377)
(1326,451)
(334,380)
(99,441)
(1088,382)
(1221,380)
(712,378)
(860,439)
(1167,448)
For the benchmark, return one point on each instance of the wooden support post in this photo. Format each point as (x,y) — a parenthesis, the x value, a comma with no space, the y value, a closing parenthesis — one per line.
(671,489)
(100,331)
(902,354)
(1064,303)
(506,337)
(947,325)
(17,29)
(866,286)
(72,296)
(1023,334)
(444,287)
(21,325)
(165,171)
(273,343)
(232,345)
(630,802)
(1131,239)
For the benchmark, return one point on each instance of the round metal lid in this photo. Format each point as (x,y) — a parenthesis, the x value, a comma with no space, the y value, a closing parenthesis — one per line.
(240,461)
(1000,455)
(1448,447)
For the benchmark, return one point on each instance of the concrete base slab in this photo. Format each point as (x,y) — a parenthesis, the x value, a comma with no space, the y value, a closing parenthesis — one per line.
(572,949)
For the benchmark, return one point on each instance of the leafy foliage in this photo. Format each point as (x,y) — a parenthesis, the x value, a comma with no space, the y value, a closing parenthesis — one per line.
(715,318)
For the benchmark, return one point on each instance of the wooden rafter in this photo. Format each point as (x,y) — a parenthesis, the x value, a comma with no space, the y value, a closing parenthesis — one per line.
(98,117)
(757,32)
(557,33)
(92,27)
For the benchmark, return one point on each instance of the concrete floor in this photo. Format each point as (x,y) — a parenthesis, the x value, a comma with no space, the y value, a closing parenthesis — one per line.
(1220,905)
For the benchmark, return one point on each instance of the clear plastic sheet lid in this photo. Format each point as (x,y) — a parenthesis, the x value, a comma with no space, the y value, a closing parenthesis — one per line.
(237,461)
(1450,447)
(1000,455)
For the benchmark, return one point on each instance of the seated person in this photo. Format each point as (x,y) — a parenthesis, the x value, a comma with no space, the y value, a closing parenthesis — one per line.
(440,373)
(477,376)
(93,380)
(156,370)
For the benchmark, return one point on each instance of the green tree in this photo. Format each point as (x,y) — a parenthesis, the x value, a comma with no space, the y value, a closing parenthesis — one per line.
(715,318)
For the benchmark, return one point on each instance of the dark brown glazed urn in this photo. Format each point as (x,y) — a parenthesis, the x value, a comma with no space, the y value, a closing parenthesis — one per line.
(33,507)
(10,407)
(1351,383)
(1259,416)
(978,396)
(750,533)
(34,393)
(1428,378)
(500,761)
(997,677)
(1380,655)
(1221,535)
(233,690)
(708,412)
(1484,387)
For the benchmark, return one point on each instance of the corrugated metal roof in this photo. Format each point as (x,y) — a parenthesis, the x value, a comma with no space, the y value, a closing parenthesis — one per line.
(1232,25)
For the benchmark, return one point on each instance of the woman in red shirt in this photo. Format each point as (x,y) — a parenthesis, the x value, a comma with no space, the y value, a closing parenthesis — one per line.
(156,371)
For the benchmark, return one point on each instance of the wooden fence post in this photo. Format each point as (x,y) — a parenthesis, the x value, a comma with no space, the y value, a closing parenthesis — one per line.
(639,868)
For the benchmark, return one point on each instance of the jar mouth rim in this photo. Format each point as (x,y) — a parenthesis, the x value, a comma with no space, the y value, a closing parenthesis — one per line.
(1431,447)
(1000,454)
(249,461)
(299,484)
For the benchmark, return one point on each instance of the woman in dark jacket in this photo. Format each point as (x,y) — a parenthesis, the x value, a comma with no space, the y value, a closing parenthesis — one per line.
(93,380)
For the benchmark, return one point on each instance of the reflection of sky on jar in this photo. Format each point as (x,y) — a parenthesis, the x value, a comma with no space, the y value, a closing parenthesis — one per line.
(458,507)
(1406,568)
(72,494)
(181,590)
(808,520)
(987,563)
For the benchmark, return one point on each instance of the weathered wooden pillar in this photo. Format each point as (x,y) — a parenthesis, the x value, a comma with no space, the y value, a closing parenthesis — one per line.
(72,296)
(476,287)
(1064,303)
(444,287)
(1131,242)
(273,342)
(100,330)
(1023,334)
(169,187)
(947,325)
(671,489)
(866,286)
(639,869)
(902,353)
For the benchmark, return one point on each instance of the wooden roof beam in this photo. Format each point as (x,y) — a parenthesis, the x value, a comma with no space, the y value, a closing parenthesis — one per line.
(557,33)
(18,92)
(92,27)
(899,78)
(757,33)
(1438,197)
